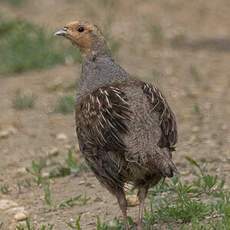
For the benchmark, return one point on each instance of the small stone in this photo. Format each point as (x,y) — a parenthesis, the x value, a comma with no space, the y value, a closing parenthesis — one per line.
(55,85)
(61,137)
(15,210)
(20,216)
(68,147)
(81,182)
(4,134)
(21,170)
(6,204)
(53,152)
(132,200)
(45,174)
(195,129)
(7,132)
(12,130)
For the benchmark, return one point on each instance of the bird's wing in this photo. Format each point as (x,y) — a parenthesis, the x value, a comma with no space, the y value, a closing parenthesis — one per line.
(102,116)
(166,116)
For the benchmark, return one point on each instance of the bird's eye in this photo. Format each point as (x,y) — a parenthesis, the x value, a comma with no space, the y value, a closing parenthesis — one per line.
(80,29)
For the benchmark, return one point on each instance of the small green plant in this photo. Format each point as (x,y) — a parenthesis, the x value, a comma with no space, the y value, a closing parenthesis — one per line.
(23,101)
(36,170)
(76,225)
(100,225)
(183,209)
(30,226)
(114,224)
(65,104)
(4,188)
(47,191)
(73,164)
(77,200)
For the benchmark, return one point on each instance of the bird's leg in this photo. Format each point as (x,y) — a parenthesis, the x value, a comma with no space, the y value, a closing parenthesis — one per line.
(142,192)
(123,206)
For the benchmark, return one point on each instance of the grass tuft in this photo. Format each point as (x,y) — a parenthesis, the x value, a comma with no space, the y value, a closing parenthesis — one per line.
(5,189)
(14,2)
(65,104)
(25,46)
(72,201)
(30,226)
(201,204)
(76,225)
(22,101)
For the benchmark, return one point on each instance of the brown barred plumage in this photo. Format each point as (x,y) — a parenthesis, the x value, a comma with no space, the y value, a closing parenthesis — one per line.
(167,117)
(104,114)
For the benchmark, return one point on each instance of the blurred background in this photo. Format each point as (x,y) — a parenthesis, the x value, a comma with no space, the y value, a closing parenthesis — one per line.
(181,46)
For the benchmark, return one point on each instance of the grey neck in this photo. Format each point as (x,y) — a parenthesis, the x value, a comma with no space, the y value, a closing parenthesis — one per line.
(99,69)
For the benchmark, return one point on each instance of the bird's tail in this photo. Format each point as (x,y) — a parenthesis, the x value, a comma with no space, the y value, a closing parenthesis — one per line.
(165,164)
(168,169)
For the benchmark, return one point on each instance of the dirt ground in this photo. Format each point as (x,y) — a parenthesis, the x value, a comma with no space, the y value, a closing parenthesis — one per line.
(188,58)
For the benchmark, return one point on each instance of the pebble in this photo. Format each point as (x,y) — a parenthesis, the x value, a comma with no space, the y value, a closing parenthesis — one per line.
(53,151)
(81,182)
(61,137)
(20,216)
(7,204)
(195,129)
(7,132)
(21,170)
(45,174)
(4,134)
(132,200)
(15,210)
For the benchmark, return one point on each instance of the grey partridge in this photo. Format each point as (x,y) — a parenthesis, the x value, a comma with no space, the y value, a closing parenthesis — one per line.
(125,128)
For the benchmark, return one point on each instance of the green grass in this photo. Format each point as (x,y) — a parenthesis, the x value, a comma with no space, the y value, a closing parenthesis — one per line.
(76,225)
(65,104)
(46,168)
(15,2)
(22,101)
(30,226)
(47,191)
(72,201)
(202,203)
(4,189)
(25,46)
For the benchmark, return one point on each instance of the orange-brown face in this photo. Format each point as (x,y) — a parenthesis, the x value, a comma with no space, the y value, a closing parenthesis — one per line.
(81,34)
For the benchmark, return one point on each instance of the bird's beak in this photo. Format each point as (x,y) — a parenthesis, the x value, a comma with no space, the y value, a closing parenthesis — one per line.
(61,32)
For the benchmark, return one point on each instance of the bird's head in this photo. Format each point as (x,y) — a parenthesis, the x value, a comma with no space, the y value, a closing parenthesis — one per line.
(86,36)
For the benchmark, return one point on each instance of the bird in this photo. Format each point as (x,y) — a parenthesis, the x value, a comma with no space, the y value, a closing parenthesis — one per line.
(126,129)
